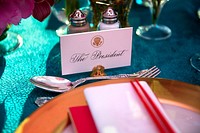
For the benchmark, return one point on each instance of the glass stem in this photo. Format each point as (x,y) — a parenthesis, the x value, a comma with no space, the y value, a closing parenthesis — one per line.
(155,10)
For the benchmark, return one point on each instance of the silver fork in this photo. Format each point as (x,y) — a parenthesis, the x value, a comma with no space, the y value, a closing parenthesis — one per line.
(149,73)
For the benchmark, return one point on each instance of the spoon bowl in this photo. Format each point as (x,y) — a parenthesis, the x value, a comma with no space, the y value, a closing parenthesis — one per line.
(51,83)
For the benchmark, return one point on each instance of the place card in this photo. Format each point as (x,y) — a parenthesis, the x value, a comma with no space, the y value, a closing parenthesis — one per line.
(82,51)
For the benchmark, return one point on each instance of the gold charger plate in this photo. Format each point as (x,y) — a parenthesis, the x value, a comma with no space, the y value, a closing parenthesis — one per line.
(53,116)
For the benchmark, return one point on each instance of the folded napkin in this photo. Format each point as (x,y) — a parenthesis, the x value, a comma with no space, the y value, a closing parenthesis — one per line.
(82,120)
(117,108)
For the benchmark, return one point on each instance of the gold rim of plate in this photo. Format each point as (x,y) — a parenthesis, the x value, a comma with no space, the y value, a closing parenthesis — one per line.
(53,116)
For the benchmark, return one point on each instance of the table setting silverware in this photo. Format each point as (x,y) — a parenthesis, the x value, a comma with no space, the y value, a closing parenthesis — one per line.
(64,85)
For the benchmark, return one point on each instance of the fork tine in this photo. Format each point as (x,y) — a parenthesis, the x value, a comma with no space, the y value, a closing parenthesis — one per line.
(152,72)
(149,70)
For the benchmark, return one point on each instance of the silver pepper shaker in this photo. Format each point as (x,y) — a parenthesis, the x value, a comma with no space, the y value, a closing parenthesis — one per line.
(78,22)
(109,20)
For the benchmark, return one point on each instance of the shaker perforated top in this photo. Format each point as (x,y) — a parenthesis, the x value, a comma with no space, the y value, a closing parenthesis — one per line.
(109,16)
(78,18)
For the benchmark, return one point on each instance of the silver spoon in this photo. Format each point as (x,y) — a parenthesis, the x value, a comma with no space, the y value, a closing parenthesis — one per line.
(149,73)
(58,84)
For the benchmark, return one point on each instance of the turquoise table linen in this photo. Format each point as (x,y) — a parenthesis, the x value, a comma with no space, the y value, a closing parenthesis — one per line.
(40,55)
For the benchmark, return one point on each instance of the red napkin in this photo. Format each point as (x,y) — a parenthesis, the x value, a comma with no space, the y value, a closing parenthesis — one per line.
(82,120)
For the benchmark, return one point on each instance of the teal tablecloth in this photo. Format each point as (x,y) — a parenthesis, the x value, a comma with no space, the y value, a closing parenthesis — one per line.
(40,55)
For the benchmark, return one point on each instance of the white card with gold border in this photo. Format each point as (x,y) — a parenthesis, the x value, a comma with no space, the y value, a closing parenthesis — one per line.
(82,51)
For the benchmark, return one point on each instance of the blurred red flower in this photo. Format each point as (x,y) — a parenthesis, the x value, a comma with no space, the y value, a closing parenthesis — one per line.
(12,11)
(42,9)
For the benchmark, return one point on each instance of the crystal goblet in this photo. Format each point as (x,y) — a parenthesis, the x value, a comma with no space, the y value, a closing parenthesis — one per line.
(9,42)
(195,61)
(154,31)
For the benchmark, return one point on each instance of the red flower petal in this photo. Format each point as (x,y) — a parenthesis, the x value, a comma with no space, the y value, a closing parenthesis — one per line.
(51,2)
(1,30)
(10,14)
(26,7)
(41,10)
(37,1)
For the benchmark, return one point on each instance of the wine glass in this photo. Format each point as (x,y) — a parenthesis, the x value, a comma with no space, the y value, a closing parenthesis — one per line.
(195,59)
(154,31)
(9,41)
